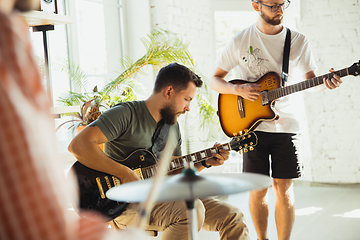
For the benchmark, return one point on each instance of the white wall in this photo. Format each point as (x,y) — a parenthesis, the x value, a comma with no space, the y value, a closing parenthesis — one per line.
(193,22)
(332,129)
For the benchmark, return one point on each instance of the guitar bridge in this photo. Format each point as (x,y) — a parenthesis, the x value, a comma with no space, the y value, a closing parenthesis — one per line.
(240,106)
(264,98)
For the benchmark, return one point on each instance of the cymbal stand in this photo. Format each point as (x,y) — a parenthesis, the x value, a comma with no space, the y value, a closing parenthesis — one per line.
(189,175)
(192,219)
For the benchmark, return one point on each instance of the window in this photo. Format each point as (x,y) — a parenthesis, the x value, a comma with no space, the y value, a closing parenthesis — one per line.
(98,28)
(93,43)
(227,24)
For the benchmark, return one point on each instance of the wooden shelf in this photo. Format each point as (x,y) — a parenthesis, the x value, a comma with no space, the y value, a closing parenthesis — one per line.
(37,18)
(68,109)
(57,111)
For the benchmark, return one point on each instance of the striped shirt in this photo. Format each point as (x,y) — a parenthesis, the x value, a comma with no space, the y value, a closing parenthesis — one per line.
(34,195)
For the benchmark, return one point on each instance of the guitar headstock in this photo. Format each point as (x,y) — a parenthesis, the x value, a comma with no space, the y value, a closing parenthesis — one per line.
(244,142)
(354,69)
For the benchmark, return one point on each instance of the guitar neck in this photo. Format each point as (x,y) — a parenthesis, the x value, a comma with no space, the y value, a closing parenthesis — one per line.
(179,163)
(312,82)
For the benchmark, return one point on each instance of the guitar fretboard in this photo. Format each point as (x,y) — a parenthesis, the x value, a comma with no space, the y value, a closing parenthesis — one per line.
(180,162)
(313,82)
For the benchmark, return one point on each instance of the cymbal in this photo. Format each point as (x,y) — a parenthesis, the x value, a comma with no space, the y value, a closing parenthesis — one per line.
(190,186)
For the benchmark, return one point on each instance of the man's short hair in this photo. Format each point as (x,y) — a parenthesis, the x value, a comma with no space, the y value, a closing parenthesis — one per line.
(176,75)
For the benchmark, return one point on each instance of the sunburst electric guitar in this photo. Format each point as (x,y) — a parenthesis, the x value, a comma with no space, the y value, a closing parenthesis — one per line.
(94,184)
(241,115)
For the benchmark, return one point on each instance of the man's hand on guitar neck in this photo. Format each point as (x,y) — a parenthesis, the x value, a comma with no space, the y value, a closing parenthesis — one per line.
(334,82)
(249,91)
(219,158)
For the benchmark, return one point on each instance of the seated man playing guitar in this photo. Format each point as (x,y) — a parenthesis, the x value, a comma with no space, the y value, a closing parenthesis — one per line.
(130,126)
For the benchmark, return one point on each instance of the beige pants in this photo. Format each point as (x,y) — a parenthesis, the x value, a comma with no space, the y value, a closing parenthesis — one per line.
(171,218)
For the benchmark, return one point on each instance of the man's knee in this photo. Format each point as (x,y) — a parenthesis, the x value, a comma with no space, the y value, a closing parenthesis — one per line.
(284,192)
(234,217)
(259,194)
(282,186)
(226,216)
(234,226)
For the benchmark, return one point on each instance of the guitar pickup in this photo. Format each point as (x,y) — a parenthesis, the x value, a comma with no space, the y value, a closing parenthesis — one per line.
(264,98)
(101,190)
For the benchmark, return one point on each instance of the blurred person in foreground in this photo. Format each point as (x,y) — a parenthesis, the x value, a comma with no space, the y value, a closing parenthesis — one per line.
(34,194)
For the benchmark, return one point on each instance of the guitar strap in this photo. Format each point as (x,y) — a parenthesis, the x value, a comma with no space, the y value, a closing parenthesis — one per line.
(285,66)
(159,138)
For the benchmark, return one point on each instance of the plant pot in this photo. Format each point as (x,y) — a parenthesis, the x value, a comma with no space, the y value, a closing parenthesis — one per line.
(79,128)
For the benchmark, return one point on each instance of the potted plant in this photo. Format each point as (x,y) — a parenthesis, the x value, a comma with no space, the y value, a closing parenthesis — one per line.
(89,112)
(162,47)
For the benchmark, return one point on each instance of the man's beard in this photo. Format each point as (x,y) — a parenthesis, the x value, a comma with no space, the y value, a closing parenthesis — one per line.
(271,21)
(169,115)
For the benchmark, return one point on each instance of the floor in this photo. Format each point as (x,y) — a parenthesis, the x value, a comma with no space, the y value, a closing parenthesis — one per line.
(323,211)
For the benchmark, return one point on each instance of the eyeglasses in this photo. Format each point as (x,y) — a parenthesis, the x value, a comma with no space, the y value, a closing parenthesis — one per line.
(276,7)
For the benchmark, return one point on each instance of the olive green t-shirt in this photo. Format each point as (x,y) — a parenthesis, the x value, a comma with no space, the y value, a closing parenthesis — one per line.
(128,127)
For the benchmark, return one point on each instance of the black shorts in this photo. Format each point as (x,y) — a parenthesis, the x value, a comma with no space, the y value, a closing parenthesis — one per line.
(282,147)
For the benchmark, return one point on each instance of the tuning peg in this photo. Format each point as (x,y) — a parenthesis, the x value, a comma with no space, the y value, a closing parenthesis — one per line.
(246,130)
(235,134)
(246,150)
(251,143)
(240,132)
(251,148)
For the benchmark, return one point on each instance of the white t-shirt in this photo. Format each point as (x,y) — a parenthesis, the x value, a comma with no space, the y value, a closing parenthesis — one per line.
(256,54)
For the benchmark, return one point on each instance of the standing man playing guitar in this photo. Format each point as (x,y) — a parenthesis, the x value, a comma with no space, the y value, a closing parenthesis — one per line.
(130,126)
(258,50)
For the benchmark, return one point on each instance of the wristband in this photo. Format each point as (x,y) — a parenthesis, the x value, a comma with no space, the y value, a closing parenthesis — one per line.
(204,164)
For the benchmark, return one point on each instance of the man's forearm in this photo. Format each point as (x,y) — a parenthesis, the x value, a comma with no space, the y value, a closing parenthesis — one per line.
(219,85)
(89,154)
